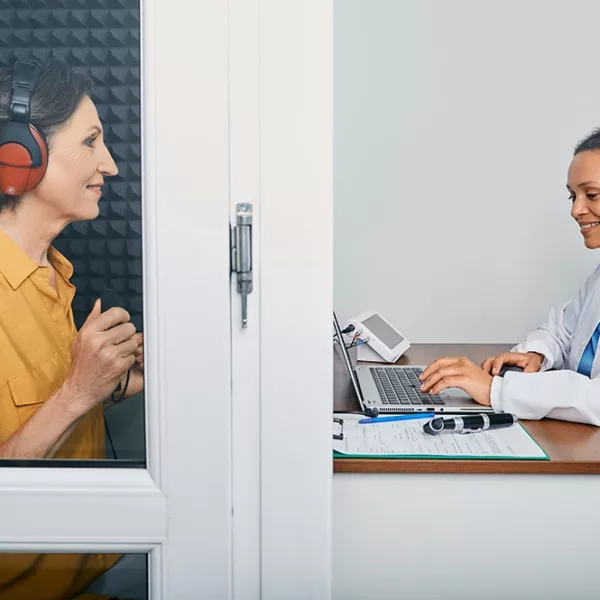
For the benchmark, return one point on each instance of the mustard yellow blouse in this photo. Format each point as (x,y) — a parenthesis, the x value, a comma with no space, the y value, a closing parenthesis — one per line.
(36,332)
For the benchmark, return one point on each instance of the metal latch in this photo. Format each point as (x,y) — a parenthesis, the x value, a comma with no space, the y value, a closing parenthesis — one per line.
(241,254)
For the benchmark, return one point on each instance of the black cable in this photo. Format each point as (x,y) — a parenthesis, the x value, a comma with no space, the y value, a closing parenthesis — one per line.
(115,400)
(358,342)
(348,329)
(110,438)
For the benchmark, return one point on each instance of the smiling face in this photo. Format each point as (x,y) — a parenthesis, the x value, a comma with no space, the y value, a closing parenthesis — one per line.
(584,189)
(77,165)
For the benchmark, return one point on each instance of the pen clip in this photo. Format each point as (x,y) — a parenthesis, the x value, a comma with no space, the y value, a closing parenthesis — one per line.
(472,430)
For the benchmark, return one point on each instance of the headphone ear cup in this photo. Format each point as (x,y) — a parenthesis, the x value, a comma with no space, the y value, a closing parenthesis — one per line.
(17,176)
(13,180)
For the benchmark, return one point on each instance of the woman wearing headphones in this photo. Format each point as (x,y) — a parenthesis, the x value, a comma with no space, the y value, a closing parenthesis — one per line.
(54,380)
(561,371)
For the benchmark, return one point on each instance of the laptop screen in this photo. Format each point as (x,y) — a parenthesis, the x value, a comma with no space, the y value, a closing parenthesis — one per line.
(347,361)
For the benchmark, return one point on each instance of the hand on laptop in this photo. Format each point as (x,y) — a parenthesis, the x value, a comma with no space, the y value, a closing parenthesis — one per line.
(459,372)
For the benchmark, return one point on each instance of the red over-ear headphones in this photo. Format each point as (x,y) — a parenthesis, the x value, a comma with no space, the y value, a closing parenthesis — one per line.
(23,149)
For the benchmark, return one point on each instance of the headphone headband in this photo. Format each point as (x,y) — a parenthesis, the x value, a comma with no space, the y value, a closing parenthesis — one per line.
(25,76)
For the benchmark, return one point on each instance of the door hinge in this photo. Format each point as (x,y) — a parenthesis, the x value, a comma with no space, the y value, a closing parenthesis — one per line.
(241,254)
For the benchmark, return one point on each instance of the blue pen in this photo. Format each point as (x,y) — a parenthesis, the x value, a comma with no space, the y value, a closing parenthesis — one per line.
(427,415)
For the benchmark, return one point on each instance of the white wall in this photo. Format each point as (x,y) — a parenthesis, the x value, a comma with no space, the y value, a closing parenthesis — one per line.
(465,537)
(454,127)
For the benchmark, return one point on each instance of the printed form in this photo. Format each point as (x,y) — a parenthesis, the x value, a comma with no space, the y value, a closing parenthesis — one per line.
(406,438)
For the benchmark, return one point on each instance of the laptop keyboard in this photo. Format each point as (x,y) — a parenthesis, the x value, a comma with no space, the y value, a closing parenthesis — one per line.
(401,386)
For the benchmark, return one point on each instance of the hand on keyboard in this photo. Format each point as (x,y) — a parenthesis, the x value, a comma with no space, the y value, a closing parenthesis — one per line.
(457,372)
(402,386)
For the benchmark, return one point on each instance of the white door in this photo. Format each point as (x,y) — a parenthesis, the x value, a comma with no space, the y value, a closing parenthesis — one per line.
(281,84)
(235,500)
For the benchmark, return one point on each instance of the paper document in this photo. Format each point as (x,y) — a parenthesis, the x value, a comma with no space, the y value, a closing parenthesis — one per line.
(406,439)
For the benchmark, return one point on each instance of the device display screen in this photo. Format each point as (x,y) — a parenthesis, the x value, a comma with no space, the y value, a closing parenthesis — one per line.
(390,337)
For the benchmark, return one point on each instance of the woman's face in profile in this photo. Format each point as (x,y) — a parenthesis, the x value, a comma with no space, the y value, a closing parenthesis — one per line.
(584,188)
(77,166)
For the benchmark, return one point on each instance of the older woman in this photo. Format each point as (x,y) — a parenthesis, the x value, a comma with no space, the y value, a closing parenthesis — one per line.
(54,380)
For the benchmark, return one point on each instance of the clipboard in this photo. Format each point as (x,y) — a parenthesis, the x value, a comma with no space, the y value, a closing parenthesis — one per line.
(406,439)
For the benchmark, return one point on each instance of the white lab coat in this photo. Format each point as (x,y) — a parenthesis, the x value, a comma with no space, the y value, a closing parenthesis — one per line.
(562,393)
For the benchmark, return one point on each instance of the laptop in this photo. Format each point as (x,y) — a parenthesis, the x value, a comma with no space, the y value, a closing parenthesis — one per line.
(395,389)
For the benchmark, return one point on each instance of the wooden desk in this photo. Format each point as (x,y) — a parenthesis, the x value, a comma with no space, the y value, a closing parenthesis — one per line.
(572,448)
